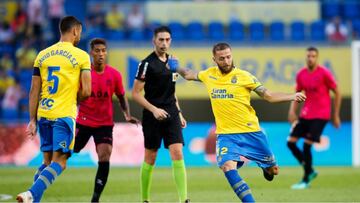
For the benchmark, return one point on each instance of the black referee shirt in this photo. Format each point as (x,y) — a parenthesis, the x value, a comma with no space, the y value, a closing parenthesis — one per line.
(159,81)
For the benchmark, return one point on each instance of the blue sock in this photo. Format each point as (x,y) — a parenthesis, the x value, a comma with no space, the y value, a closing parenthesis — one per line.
(45,179)
(37,173)
(239,186)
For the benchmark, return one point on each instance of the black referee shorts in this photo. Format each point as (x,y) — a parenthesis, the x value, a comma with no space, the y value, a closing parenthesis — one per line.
(310,129)
(101,134)
(155,131)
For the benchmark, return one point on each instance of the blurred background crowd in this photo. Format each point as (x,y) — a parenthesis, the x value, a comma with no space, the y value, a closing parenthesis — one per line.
(27,26)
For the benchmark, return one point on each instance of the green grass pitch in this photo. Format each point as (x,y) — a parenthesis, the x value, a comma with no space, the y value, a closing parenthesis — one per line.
(335,184)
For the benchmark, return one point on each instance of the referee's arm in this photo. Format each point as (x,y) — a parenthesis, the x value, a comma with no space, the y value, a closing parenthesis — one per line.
(159,114)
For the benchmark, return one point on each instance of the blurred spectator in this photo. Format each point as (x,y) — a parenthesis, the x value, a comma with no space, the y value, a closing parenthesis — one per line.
(95,19)
(10,102)
(336,31)
(135,20)
(19,23)
(115,19)
(6,34)
(6,63)
(5,83)
(26,55)
(56,12)
(36,19)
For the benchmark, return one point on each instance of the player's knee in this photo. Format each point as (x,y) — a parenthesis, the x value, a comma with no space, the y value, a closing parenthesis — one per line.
(176,155)
(150,157)
(227,166)
(104,156)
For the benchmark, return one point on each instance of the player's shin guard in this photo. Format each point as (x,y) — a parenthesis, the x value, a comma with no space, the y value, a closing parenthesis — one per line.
(179,173)
(45,179)
(146,172)
(296,152)
(308,161)
(239,186)
(37,173)
(100,180)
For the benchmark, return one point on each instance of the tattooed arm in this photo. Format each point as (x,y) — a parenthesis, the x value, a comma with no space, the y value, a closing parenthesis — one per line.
(278,96)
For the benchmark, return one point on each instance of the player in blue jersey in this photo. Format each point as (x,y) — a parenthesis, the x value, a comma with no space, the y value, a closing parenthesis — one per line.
(58,72)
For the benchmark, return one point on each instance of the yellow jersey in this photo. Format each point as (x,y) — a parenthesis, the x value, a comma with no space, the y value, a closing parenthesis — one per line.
(60,66)
(230,99)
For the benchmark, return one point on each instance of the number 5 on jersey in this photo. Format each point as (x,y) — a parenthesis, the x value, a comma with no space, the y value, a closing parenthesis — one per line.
(52,78)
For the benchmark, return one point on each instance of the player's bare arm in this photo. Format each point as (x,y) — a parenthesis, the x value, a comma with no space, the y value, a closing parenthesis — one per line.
(33,105)
(188,74)
(124,104)
(337,105)
(159,114)
(278,96)
(292,116)
(182,119)
(85,90)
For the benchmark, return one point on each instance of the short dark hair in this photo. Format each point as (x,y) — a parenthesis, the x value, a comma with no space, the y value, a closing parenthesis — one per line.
(312,49)
(96,41)
(162,29)
(67,23)
(220,46)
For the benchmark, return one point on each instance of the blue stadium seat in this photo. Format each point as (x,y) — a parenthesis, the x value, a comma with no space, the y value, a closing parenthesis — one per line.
(115,35)
(330,9)
(195,31)
(236,31)
(297,31)
(137,35)
(216,30)
(277,30)
(356,28)
(177,30)
(351,10)
(96,34)
(317,31)
(257,31)
(149,30)
(9,114)
(25,79)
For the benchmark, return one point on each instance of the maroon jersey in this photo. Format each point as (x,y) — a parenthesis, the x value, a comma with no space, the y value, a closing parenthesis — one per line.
(97,110)
(317,86)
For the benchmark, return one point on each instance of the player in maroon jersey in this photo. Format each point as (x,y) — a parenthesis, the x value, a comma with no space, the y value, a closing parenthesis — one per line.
(317,82)
(95,117)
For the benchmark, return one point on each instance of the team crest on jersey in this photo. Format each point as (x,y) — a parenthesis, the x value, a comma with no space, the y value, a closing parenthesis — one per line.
(175,76)
(108,82)
(234,79)
(63,144)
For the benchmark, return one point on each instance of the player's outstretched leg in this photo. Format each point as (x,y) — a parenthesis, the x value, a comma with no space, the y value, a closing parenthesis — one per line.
(296,151)
(38,171)
(100,179)
(45,179)
(270,172)
(239,186)
(310,173)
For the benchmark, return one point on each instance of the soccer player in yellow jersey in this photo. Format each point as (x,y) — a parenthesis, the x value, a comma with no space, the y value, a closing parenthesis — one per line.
(55,88)
(237,126)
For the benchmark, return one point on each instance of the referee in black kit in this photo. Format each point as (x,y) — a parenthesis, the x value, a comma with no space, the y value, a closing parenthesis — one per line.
(162,118)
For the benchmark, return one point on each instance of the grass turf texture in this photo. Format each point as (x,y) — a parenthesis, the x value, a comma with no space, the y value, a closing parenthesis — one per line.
(204,185)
